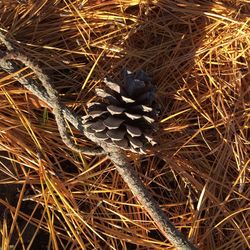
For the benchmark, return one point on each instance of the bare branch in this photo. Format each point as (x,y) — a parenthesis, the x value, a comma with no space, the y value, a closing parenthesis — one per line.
(145,198)
(49,95)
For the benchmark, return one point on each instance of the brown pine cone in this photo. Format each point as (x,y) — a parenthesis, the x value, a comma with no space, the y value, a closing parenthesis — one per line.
(126,114)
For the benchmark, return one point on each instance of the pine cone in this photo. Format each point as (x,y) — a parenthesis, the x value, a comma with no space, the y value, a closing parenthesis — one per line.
(125,117)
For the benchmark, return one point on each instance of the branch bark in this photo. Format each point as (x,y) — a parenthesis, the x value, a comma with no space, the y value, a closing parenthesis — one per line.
(150,205)
(49,95)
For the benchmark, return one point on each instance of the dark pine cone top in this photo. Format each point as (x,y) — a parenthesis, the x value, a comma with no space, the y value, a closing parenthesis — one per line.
(126,115)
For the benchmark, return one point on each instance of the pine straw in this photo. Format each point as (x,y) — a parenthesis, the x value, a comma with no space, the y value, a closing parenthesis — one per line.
(198,53)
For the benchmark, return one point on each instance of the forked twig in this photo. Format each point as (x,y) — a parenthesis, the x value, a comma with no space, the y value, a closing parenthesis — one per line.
(50,96)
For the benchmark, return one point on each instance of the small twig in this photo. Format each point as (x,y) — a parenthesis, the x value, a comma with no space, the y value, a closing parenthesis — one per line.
(54,99)
(49,95)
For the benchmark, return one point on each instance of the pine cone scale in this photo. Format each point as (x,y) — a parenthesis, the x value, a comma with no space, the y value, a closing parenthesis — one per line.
(133,116)
(112,122)
(98,126)
(124,144)
(136,143)
(114,110)
(127,99)
(133,131)
(116,134)
(97,113)
(113,86)
(101,135)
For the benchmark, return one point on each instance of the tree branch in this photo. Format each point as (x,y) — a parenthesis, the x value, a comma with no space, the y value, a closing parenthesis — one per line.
(50,96)
(150,205)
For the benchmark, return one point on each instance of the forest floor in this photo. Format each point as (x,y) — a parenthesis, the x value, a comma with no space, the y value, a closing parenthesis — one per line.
(198,56)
